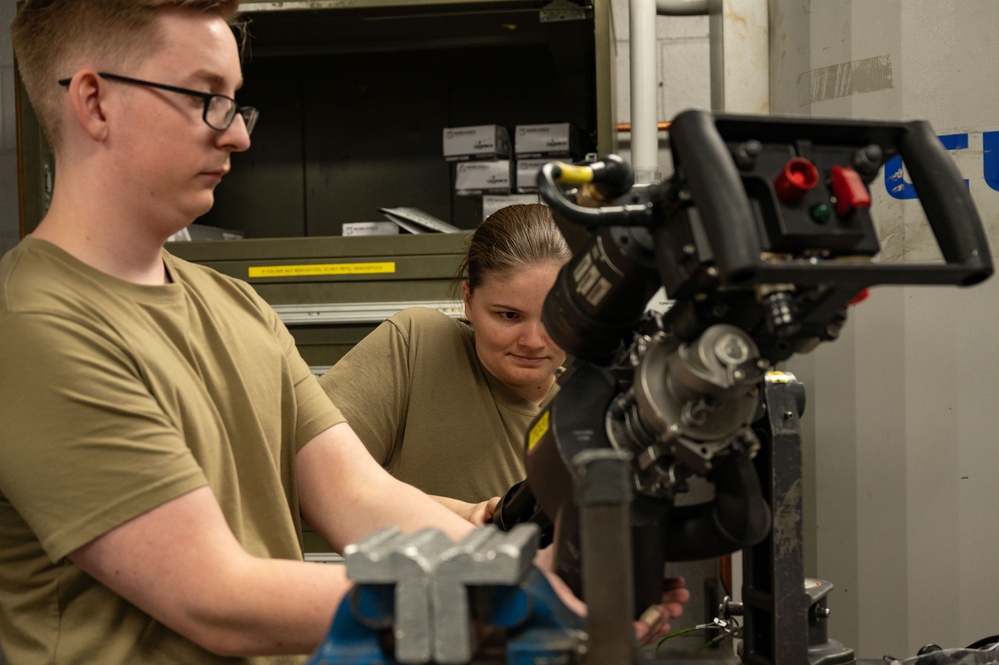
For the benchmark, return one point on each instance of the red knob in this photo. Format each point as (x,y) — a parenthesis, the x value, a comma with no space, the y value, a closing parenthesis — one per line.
(860,297)
(849,189)
(798,176)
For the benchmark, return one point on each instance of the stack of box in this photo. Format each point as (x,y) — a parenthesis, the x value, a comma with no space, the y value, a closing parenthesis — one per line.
(483,156)
(537,145)
(484,166)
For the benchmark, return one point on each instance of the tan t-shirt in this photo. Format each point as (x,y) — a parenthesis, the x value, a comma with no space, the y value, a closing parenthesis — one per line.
(115,398)
(429,412)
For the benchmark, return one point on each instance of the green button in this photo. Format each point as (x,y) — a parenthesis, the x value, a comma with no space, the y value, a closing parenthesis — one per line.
(820,212)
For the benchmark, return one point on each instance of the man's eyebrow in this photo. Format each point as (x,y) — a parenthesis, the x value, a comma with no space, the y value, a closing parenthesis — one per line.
(213,79)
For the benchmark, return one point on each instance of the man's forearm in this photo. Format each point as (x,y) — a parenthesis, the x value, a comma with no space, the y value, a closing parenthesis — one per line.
(180,564)
(345,494)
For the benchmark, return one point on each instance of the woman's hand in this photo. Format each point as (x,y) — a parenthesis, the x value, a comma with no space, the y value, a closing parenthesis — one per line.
(654,622)
(478,514)
(482,513)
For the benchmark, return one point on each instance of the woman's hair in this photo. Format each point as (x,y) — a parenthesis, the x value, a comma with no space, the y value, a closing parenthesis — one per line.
(54,38)
(511,237)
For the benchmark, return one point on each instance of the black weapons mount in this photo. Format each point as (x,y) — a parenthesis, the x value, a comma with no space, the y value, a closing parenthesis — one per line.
(762,238)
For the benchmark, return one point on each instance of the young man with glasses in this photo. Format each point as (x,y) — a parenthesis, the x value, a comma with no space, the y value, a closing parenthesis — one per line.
(160,436)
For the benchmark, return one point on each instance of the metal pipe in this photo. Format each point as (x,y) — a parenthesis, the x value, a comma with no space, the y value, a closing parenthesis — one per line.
(644,91)
(661,126)
(644,125)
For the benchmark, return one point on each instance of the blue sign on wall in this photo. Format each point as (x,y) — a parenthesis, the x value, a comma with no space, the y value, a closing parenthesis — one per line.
(900,188)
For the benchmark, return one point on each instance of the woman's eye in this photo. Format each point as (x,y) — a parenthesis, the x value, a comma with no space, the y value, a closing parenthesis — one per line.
(509,316)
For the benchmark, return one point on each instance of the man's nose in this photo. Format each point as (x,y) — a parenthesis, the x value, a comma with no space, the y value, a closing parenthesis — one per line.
(236,135)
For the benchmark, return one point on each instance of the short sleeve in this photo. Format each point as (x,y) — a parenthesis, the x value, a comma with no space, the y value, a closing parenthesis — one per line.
(90,445)
(370,385)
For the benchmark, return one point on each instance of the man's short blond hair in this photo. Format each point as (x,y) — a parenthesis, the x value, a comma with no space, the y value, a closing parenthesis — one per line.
(53,38)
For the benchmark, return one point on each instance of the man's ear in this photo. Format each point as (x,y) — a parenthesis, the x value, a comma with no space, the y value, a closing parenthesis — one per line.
(86,91)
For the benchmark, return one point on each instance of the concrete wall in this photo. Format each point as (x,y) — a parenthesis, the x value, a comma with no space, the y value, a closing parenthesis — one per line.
(898,434)
(9,221)
(900,428)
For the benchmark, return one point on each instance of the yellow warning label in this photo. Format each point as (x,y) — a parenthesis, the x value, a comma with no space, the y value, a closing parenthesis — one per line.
(538,431)
(313,269)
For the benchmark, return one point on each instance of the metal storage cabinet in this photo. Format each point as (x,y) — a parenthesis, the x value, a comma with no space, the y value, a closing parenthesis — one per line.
(354,95)
(333,291)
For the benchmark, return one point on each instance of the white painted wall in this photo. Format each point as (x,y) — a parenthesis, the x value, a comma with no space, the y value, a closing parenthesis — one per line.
(901,427)
(900,436)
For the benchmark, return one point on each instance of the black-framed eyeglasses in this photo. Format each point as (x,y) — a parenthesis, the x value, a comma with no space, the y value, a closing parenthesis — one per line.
(219,111)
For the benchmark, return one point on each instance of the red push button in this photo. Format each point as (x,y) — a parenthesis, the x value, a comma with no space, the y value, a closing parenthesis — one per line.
(799,176)
(849,189)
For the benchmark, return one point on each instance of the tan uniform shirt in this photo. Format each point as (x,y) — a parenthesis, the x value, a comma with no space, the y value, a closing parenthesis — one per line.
(114,398)
(429,412)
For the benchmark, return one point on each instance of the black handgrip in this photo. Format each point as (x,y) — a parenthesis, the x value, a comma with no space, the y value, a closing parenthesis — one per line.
(706,168)
(518,506)
(946,200)
(612,177)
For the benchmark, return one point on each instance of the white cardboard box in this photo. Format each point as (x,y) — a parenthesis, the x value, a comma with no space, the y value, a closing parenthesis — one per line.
(545,140)
(491,202)
(527,173)
(475,178)
(476,142)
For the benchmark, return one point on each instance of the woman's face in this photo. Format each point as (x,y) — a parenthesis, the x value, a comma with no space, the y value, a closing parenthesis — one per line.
(510,340)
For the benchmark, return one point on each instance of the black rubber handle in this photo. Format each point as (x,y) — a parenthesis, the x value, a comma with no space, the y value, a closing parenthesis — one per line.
(945,198)
(707,169)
